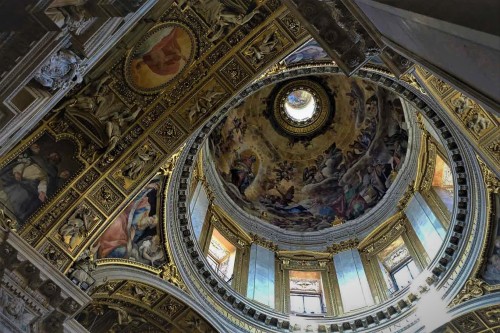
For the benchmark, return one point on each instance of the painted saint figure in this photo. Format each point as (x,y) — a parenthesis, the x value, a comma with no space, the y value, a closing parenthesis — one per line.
(26,183)
(241,172)
(133,234)
(165,57)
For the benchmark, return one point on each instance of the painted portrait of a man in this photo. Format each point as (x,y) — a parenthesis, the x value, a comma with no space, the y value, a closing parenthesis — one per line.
(160,57)
(34,176)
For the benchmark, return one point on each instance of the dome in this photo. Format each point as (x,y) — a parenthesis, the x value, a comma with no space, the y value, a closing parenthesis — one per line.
(308,153)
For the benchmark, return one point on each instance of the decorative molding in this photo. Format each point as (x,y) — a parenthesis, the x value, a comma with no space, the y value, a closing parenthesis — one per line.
(262,241)
(378,243)
(343,246)
(140,162)
(406,197)
(87,180)
(428,164)
(34,232)
(491,181)
(170,273)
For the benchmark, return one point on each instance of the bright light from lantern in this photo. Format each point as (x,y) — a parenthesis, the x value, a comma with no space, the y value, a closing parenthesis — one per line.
(300,105)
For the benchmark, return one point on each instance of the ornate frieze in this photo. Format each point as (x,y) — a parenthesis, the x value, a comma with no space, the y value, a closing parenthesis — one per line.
(170,273)
(387,238)
(490,179)
(185,84)
(493,149)
(78,225)
(55,255)
(441,87)
(152,115)
(204,102)
(233,237)
(259,240)
(264,47)
(219,52)
(87,180)
(127,140)
(145,304)
(139,162)
(470,113)
(406,197)
(343,246)
(50,217)
(428,164)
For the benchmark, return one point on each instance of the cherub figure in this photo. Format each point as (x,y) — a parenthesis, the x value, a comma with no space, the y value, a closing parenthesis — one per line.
(203,104)
(76,227)
(134,168)
(267,46)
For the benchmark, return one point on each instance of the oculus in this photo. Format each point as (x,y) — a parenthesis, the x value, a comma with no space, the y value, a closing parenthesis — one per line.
(300,109)
(300,105)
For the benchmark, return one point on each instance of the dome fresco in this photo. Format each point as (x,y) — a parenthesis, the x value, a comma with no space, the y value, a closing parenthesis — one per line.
(311,183)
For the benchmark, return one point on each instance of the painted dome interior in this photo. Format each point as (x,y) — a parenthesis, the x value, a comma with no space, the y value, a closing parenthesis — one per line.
(308,182)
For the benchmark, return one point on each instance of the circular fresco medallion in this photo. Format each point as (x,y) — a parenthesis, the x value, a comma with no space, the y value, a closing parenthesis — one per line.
(161,55)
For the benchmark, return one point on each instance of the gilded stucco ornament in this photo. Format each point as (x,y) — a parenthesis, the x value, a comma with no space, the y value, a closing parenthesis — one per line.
(76,227)
(258,51)
(462,104)
(343,246)
(405,199)
(204,103)
(411,80)
(170,273)
(257,239)
(473,288)
(98,105)
(136,165)
(478,123)
(222,18)
(6,223)
(490,179)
